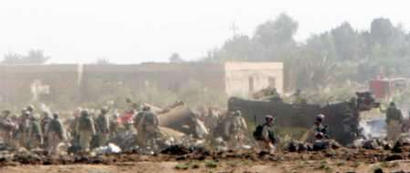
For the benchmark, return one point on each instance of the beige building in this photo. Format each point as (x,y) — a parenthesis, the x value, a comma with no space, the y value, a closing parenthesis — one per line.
(244,78)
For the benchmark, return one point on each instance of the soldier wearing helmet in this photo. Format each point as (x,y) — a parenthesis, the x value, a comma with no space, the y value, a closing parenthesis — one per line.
(103,127)
(265,135)
(55,134)
(320,129)
(86,130)
(147,125)
(34,134)
(24,127)
(393,114)
(235,127)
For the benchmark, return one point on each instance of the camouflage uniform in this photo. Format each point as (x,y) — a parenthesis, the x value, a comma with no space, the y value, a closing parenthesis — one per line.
(86,130)
(23,128)
(394,121)
(235,128)
(320,131)
(44,125)
(7,128)
(268,135)
(393,113)
(103,128)
(147,126)
(114,125)
(35,136)
(55,134)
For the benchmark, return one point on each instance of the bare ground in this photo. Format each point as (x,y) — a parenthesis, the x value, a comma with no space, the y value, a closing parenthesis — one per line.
(341,160)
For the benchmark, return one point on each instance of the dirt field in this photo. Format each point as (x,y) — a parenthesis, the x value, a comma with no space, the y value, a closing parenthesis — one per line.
(341,160)
(221,166)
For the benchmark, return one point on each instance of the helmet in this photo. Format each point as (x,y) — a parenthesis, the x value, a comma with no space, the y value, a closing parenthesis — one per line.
(30,108)
(55,115)
(320,117)
(237,113)
(146,108)
(84,112)
(26,113)
(104,110)
(269,117)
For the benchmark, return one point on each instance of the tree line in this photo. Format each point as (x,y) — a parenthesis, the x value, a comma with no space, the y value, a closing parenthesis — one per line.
(339,55)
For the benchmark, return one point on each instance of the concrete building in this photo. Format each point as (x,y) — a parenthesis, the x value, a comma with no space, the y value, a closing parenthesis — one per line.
(244,78)
(81,83)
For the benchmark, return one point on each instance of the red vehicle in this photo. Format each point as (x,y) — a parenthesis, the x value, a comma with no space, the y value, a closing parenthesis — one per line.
(387,88)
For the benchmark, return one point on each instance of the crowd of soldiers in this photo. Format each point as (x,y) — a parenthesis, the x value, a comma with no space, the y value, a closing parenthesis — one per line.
(30,132)
(84,130)
(89,129)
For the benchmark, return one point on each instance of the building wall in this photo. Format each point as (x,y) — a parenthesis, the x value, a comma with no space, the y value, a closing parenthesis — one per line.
(16,82)
(244,78)
(76,84)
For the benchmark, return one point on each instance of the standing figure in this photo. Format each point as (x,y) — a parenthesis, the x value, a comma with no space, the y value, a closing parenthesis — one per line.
(86,130)
(23,128)
(34,134)
(393,114)
(147,126)
(265,135)
(7,127)
(235,129)
(55,134)
(44,123)
(103,127)
(114,124)
(394,122)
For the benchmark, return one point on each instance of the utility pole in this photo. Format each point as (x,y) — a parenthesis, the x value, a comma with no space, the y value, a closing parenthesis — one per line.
(234,28)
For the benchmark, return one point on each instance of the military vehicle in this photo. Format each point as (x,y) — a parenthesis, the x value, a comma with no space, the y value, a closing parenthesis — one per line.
(342,118)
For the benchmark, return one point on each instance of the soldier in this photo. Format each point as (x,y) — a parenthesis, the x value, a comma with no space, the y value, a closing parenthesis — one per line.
(320,129)
(394,121)
(393,113)
(35,137)
(7,127)
(147,126)
(55,134)
(114,124)
(235,128)
(30,108)
(102,127)
(23,128)
(44,122)
(86,130)
(322,140)
(212,117)
(265,135)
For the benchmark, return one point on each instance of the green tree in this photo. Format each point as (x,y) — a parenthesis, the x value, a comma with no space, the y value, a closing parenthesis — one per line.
(347,42)
(273,40)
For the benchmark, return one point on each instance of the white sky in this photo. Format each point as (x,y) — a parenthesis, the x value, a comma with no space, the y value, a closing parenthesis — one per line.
(133,31)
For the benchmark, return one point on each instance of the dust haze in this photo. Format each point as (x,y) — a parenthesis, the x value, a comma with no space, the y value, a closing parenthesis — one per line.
(204,86)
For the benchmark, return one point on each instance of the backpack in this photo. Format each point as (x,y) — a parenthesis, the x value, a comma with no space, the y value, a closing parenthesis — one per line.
(257,134)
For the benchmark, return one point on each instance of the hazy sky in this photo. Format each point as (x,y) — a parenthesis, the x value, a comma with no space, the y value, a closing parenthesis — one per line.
(132,31)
